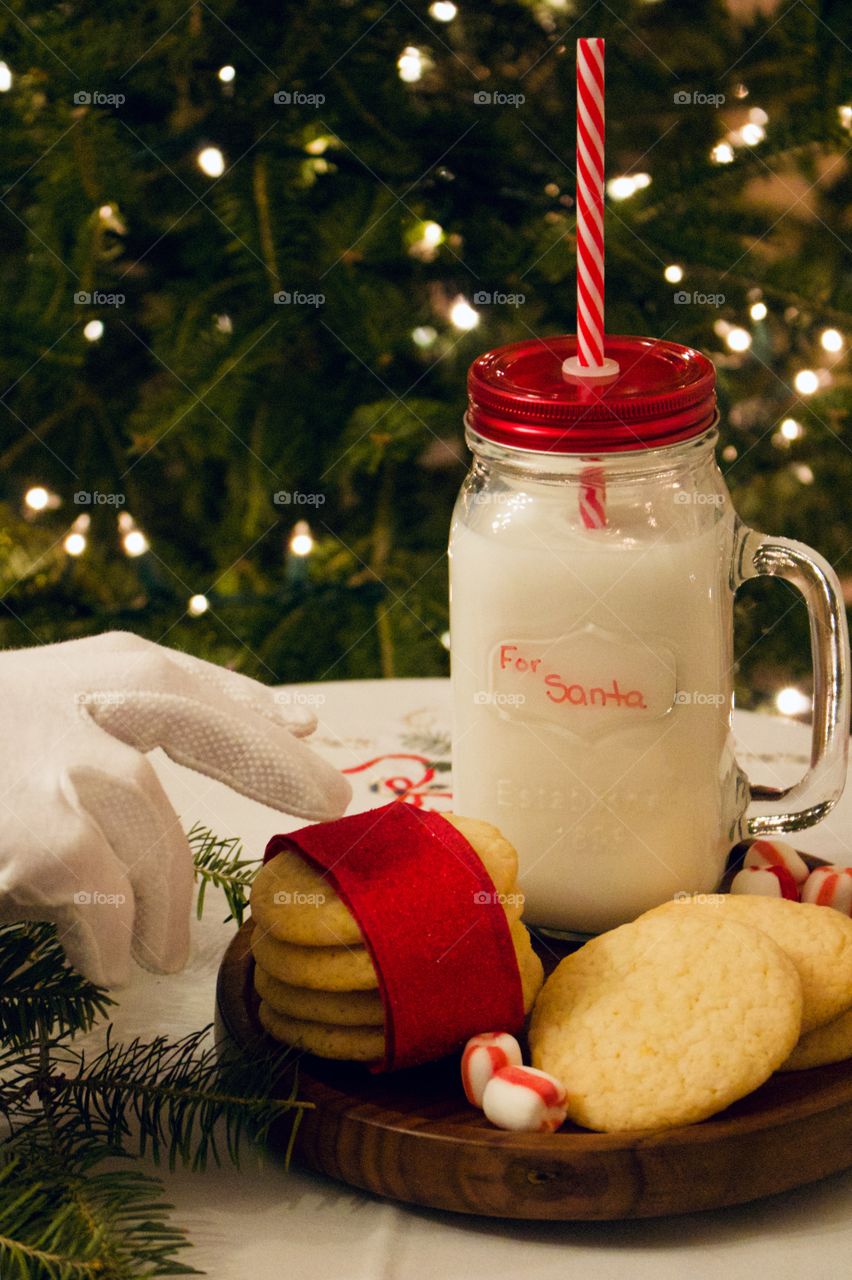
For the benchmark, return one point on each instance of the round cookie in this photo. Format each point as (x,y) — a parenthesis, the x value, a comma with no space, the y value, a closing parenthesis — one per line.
(666,1021)
(354,1044)
(319,968)
(817,940)
(345,1008)
(831,1042)
(295,904)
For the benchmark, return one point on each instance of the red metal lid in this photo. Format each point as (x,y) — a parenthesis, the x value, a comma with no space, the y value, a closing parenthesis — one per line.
(662,394)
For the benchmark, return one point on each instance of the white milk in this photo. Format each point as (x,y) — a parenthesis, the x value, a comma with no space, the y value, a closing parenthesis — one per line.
(592,703)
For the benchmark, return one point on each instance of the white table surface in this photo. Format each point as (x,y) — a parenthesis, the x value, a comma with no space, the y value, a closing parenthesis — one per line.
(262,1223)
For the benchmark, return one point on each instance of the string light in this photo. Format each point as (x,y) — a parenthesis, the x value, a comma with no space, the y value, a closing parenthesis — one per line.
(445,639)
(462,314)
(433,233)
(722,153)
(93,331)
(752,133)
(806,382)
(74,544)
(5,77)
(738,339)
(411,64)
(803,473)
(758,311)
(227,73)
(135,543)
(197,605)
(211,161)
(75,540)
(301,541)
(791,429)
(844,115)
(38,498)
(430,236)
(443,10)
(831,340)
(673,273)
(792,702)
(424,335)
(105,212)
(133,540)
(758,116)
(729,453)
(627,184)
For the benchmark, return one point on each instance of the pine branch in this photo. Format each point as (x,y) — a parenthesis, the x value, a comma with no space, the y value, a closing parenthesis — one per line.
(63,1226)
(175,1092)
(219,862)
(39,989)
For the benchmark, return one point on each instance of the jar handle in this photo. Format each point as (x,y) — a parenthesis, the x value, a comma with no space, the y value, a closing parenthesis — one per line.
(809,800)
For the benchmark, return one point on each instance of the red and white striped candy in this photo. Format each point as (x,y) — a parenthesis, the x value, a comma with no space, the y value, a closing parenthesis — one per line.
(766,882)
(484,1055)
(830,887)
(524,1099)
(777,853)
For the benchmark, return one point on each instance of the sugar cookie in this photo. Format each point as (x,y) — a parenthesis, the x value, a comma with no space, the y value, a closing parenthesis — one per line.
(666,1021)
(355,1044)
(345,1008)
(831,1042)
(819,942)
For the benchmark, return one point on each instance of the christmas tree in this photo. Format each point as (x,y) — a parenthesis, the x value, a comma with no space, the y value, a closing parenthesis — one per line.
(249,252)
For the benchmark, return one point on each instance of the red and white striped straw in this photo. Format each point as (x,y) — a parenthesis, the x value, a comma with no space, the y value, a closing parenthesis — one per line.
(592,497)
(590,202)
(590,360)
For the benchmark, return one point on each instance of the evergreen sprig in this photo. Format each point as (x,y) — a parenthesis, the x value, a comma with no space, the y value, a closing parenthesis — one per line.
(39,989)
(111,1223)
(219,862)
(171,1096)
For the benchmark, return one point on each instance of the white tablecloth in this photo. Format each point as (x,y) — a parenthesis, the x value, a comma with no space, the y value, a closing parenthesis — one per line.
(263,1223)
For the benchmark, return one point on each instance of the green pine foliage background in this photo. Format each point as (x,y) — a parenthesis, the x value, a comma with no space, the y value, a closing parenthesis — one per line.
(203,399)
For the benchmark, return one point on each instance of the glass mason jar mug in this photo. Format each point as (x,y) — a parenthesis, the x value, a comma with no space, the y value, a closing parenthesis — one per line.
(594,557)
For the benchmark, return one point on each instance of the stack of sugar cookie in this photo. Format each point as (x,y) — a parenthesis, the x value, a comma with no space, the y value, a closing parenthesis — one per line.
(314,975)
(670,1019)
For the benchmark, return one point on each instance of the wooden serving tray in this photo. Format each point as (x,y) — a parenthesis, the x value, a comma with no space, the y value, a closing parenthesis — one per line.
(411,1135)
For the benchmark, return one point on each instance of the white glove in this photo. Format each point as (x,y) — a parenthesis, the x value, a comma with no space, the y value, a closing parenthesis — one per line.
(89,838)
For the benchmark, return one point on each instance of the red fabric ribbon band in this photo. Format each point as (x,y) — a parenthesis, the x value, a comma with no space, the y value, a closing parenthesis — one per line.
(432,922)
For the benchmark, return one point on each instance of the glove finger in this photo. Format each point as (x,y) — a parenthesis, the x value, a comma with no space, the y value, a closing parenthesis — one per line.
(283,706)
(124,660)
(119,789)
(254,756)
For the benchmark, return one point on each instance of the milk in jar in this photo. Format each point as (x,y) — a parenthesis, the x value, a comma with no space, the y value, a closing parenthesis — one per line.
(591,677)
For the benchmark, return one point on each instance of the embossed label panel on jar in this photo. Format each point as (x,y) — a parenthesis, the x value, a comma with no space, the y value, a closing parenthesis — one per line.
(585,684)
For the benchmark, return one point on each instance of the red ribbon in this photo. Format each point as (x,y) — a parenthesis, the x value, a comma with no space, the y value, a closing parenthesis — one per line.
(432,921)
